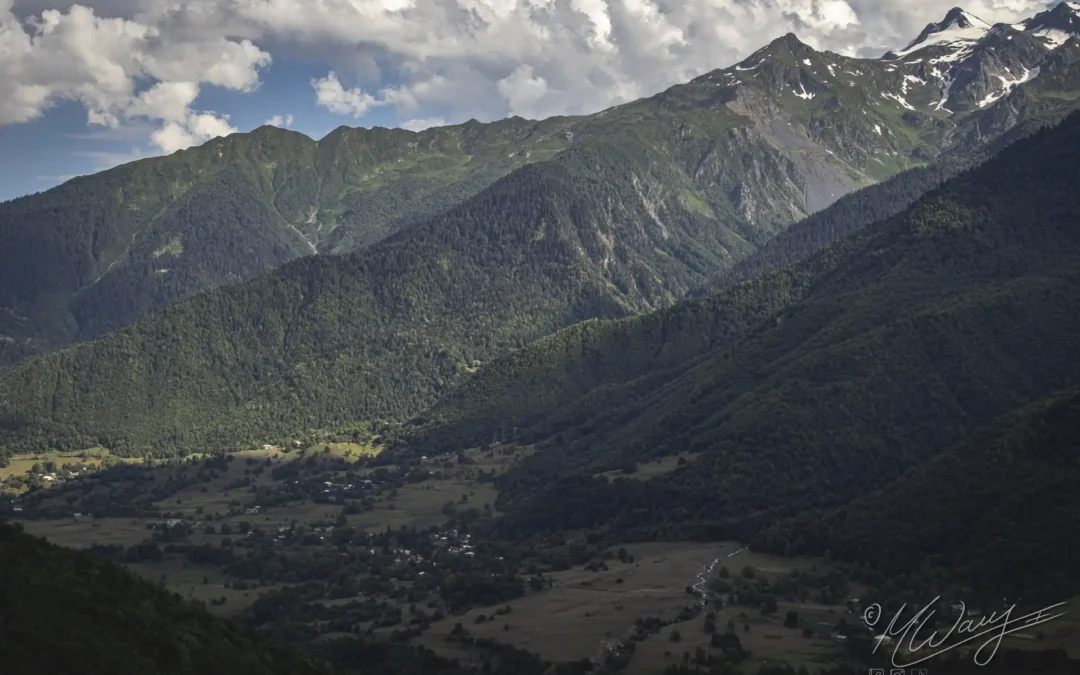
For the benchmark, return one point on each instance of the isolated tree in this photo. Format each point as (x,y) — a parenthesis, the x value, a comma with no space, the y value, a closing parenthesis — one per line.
(768,603)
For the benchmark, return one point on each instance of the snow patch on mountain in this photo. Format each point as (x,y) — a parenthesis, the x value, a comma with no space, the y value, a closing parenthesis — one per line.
(910,79)
(959,27)
(1054,37)
(945,91)
(899,99)
(1054,26)
(1008,85)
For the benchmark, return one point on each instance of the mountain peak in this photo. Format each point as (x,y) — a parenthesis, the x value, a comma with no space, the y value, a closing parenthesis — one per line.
(1067,8)
(958,26)
(789,42)
(958,16)
(1055,26)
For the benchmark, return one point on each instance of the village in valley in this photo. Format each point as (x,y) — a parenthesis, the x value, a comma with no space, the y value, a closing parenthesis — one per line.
(322,536)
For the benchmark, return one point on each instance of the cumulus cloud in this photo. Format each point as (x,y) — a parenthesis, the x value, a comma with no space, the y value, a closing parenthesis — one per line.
(523,90)
(451,59)
(489,58)
(421,124)
(330,94)
(120,69)
(279,121)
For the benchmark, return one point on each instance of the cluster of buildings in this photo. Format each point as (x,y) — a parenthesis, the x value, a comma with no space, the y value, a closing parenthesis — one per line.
(454,543)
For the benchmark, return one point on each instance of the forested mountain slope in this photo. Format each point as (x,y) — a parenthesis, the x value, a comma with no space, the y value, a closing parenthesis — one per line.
(99,252)
(810,386)
(63,611)
(847,216)
(379,333)
(994,509)
(753,148)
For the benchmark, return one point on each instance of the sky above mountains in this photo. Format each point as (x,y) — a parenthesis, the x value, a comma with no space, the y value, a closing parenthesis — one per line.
(91,85)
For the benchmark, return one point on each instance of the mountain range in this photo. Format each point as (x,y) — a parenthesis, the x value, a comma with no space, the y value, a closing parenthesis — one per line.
(549,223)
(844,292)
(886,365)
(748,150)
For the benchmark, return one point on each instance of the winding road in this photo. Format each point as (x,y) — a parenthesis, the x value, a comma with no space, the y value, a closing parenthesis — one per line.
(702,578)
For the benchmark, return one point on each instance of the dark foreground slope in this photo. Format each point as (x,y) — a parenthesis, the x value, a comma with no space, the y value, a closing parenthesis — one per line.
(68,612)
(809,387)
(63,611)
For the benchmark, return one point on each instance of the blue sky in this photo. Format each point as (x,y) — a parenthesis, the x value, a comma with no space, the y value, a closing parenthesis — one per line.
(88,85)
(46,151)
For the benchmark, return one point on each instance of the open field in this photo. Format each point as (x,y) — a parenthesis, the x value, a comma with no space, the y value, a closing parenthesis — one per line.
(21,464)
(768,640)
(84,532)
(204,583)
(418,505)
(353,451)
(18,466)
(584,608)
(1061,633)
(654,468)
(199,582)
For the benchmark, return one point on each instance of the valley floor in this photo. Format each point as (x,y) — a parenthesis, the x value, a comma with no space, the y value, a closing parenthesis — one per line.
(233,533)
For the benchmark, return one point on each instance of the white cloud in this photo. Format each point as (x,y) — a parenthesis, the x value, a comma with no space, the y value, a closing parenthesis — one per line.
(490,58)
(121,70)
(421,124)
(193,129)
(279,121)
(449,58)
(523,90)
(330,94)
